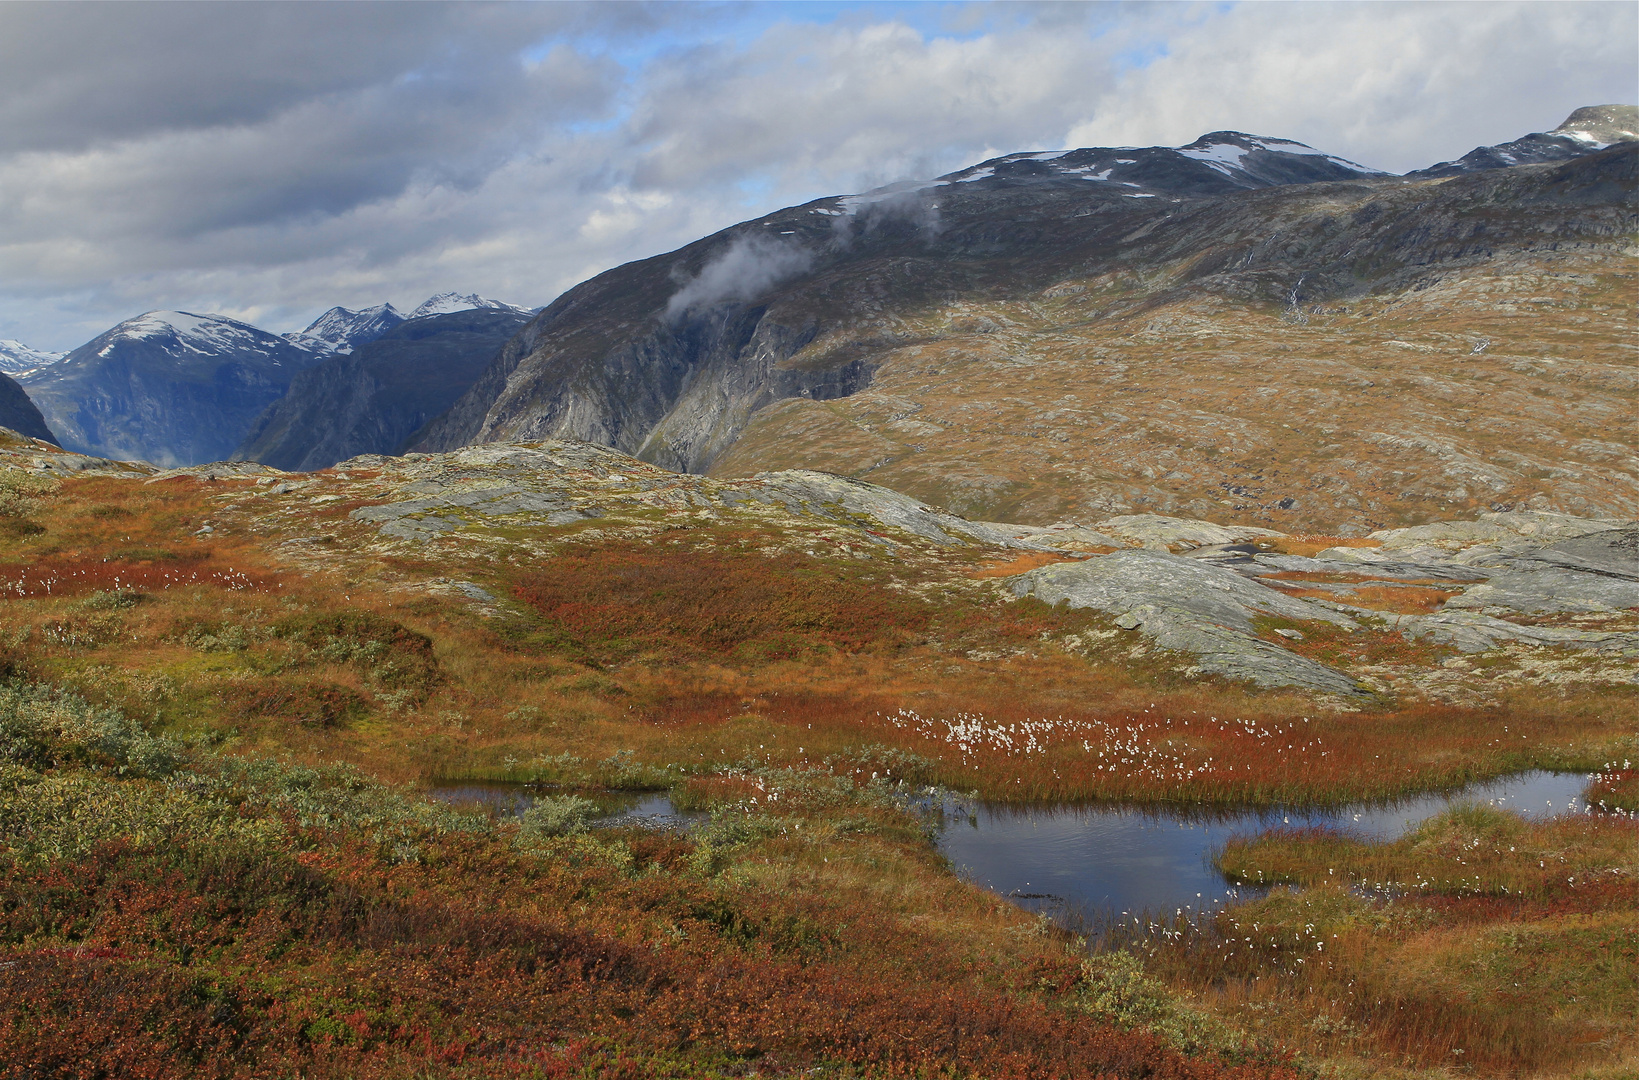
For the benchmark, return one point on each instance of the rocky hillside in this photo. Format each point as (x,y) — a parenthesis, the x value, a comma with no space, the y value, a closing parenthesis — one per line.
(1592,128)
(1451,611)
(169,387)
(19,413)
(373,398)
(1243,328)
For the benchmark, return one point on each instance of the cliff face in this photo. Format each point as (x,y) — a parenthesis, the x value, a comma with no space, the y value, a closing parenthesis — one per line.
(371,400)
(169,387)
(1037,340)
(19,413)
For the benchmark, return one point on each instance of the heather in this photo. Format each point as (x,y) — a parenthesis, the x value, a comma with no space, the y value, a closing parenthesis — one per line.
(217,860)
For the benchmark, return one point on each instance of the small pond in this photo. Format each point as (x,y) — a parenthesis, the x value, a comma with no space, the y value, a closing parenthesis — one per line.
(1089,862)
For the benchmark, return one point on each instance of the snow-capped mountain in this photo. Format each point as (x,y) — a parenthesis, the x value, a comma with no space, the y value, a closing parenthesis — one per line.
(17,358)
(449,303)
(1221,161)
(342,330)
(171,387)
(183,335)
(371,400)
(1586,131)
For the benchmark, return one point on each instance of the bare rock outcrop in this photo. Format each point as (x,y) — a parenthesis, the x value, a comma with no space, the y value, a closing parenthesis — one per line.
(1191,606)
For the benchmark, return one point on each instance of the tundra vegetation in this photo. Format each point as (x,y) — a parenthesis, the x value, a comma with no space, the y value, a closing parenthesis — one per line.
(220,705)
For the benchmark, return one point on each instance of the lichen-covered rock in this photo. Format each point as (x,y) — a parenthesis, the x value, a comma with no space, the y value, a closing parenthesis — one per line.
(1193,607)
(840,498)
(1172,534)
(1492,528)
(1472,632)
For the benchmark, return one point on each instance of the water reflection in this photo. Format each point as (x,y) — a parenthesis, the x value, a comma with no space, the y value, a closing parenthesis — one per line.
(616,807)
(1083,864)
(1086,862)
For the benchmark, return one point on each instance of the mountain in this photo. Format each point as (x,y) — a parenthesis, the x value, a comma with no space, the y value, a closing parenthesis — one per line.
(371,400)
(16,358)
(1588,129)
(342,330)
(447,303)
(19,413)
(1243,327)
(170,387)
(1216,163)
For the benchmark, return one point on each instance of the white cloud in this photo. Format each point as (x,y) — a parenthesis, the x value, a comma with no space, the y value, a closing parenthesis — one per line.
(270,160)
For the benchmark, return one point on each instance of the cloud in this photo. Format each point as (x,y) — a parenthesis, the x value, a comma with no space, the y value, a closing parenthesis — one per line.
(751,265)
(269,160)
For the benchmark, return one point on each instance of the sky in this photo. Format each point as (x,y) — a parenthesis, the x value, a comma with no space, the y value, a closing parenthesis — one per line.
(266,161)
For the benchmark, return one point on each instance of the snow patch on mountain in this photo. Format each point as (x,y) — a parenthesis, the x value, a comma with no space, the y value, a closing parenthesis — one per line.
(449,303)
(1588,130)
(341,330)
(17,358)
(180,332)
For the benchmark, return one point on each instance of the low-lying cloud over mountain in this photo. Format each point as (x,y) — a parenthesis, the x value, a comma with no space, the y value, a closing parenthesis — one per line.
(269,161)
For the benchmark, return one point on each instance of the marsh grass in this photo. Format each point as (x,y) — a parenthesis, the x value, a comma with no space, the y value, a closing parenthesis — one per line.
(1479,940)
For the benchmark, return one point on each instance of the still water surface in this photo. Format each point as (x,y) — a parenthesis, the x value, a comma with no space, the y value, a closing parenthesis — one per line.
(1080,862)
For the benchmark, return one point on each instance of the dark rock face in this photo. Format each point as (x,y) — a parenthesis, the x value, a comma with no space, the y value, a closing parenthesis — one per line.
(373,399)
(669,358)
(1586,131)
(19,414)
(169,387)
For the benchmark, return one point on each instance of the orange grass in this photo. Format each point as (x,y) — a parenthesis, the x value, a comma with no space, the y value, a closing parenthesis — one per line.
(1480,939)
(1030,560)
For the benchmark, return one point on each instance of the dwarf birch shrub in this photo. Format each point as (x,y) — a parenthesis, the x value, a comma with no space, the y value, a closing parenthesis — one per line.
(557,815)
(1115,988)
(47,818)
(43,727)
(21,492)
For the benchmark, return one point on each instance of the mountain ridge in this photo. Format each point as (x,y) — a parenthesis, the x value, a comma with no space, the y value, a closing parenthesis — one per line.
(18,359)
(170,387)
(679,358)
(373,398)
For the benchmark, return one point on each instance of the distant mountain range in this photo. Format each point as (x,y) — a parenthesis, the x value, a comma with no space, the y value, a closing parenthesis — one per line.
(372,399)
(179,388)
(1243,321)
(17,358)
(341,330)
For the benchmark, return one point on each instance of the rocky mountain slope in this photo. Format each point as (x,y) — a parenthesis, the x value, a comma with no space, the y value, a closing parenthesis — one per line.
(1242,328)
(19,413)
(17,358)
(1594,127)
(373,398)
(169,387)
